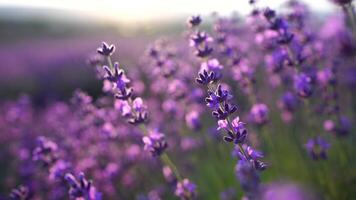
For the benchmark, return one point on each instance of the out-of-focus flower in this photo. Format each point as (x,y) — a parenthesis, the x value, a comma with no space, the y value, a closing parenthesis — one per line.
(20,193)
(317,148)
(194,21)
(212,65)
(303,85)
(155,143)
(192,119)
(81,188)
(259,114)
(45,152)
(106,50)
(186,190)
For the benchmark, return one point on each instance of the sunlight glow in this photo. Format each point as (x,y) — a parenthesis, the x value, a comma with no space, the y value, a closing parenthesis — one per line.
(144,10)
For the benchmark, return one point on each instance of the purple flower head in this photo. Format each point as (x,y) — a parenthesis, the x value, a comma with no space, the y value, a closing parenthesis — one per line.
(168,174)
(155,143)
(20,193)
(59,169)
(326,76)
(45,152)
(259,114)
(218,96)
(81,187)
(288,102)
(106,50)
(212,65)
(186,190)
(277,61)
(269,13)
(194,21)
(238,133)
(224,111)
(343,127)
(192,119)
(199,38)
(205,77)
(119,80)
(317,148)
(247,176)
(285,190)
(252,156)
(203,52)
(303,85)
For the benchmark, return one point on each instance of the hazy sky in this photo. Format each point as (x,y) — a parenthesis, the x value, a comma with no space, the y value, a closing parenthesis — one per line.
(142,10)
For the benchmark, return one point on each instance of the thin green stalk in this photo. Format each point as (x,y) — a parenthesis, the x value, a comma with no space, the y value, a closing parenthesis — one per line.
(166,160)
(108,59)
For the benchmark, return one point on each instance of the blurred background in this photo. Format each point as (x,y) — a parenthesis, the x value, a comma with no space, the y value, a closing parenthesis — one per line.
(44,44)
(44,51)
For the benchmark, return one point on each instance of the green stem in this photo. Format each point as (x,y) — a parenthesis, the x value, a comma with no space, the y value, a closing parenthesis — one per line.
(164,157)
(166,160)
(108,59)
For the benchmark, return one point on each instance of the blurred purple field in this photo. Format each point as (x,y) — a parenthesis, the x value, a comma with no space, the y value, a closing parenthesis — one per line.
(253,107)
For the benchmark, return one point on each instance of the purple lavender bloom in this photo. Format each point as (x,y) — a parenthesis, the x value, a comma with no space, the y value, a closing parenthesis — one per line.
(343,127)
(277,61)
(288,101)
(20,193)
(168,174)
(199,38)
(239,132)
(282,191)
(317,148)
(155,143)
(81,187)
(106,50)
(185,190)
(218,96)
(303,85)
(45,152)
(192,119)
(259,114)
(248,178)
(204,52)
(252,156)
(119,80)
(223,112)
(59,169)
(212,65)
(194,21)
(205,77)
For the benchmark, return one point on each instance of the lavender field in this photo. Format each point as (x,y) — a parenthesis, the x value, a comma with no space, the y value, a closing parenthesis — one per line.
(202,107)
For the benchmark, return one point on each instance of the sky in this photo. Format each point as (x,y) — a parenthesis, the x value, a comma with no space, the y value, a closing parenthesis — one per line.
(144,10)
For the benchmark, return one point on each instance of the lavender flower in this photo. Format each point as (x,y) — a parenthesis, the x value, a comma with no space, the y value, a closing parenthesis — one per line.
(303,85)
(106,50)
(192,119)
(45,152)
(194,21)
(20,193)
(119,80)
(81,188)
(259,114)
(155,143)
(248,178)
(317,148)
(214,66)
(185,190)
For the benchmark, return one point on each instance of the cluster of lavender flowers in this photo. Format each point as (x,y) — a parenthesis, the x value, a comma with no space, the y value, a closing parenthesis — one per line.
(178,103)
